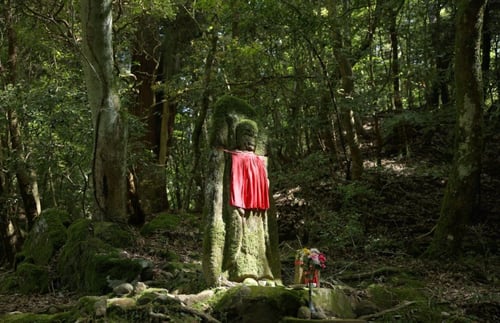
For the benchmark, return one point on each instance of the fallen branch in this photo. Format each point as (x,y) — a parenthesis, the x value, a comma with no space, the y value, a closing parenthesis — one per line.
(204,316)
(389,310)
(427,233)
(370,274)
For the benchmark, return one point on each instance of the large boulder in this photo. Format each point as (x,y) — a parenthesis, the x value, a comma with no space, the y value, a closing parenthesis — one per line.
(47,236)
(92,259)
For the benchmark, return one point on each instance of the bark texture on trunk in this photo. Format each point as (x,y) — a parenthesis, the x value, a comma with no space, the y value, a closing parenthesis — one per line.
(109,172)
(460,201)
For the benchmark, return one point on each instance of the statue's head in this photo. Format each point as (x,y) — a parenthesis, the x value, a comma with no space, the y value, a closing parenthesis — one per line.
(246,135)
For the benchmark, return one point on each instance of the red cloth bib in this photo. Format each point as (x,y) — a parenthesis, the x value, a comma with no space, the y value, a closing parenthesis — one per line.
(249,183)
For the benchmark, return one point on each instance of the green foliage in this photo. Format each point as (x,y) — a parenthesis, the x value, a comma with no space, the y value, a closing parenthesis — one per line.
(425,131)
(344,226)
(316,167)
(154,8)
(49,114)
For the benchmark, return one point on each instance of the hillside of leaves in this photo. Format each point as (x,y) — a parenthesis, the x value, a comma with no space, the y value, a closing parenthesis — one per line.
(377,228)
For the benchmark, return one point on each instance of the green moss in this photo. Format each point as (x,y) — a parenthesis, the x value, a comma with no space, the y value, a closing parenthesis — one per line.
(213,244)
(258,304)
(87,304)
(168,255)
(113,234)
(86,261)
(47,236)
(32,278)
(162,222)
(9,282)
(333,301)
(146,298)
(403,289)
(227,110)
(39,318)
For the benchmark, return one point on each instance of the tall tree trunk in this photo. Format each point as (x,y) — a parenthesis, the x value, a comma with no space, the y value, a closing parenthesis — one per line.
(347,115)
(395,70)
(26,178)
(147,182)
(176,46)
(109,160)
(12,144)
(397,101)
(460,200)
(196,172)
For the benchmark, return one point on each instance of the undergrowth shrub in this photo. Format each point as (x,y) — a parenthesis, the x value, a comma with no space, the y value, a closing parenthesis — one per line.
(343,227)
(428,132)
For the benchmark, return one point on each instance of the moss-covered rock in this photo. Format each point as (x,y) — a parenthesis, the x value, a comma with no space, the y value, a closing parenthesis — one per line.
(162,222)
(32,278)
(333,301)
(258,304)
(92,306)
(8,282)
(39,318)
(46,237)
(406,296)
(113,234)
(88,259)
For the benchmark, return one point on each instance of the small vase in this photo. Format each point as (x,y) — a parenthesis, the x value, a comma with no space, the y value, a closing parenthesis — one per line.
(299,272)
(311,277)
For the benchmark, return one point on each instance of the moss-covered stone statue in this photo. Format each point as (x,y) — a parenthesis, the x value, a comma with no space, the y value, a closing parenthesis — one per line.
(240,234)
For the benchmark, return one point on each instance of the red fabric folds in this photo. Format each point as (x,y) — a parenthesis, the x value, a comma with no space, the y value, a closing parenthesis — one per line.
(249,183)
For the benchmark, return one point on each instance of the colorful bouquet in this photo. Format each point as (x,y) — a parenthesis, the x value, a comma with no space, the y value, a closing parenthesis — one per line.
(310,262)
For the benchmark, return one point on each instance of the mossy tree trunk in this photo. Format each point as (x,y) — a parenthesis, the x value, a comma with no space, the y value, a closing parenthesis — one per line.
(214,226)
(109,160)
(460,200)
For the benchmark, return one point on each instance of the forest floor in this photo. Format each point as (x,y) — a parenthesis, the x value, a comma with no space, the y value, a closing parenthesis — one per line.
(383,227)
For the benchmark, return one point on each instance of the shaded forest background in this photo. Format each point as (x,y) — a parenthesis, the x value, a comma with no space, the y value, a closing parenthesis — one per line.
(359,99)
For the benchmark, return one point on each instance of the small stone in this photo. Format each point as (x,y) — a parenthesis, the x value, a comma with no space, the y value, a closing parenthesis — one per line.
(318,314)
(123,289)
(100,307)
(140,287)
(250,282)
(190,299)
(123,303)
(271,283)
(304,313)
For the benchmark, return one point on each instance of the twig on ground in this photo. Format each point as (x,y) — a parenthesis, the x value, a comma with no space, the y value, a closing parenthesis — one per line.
(389,310)
(369,274)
